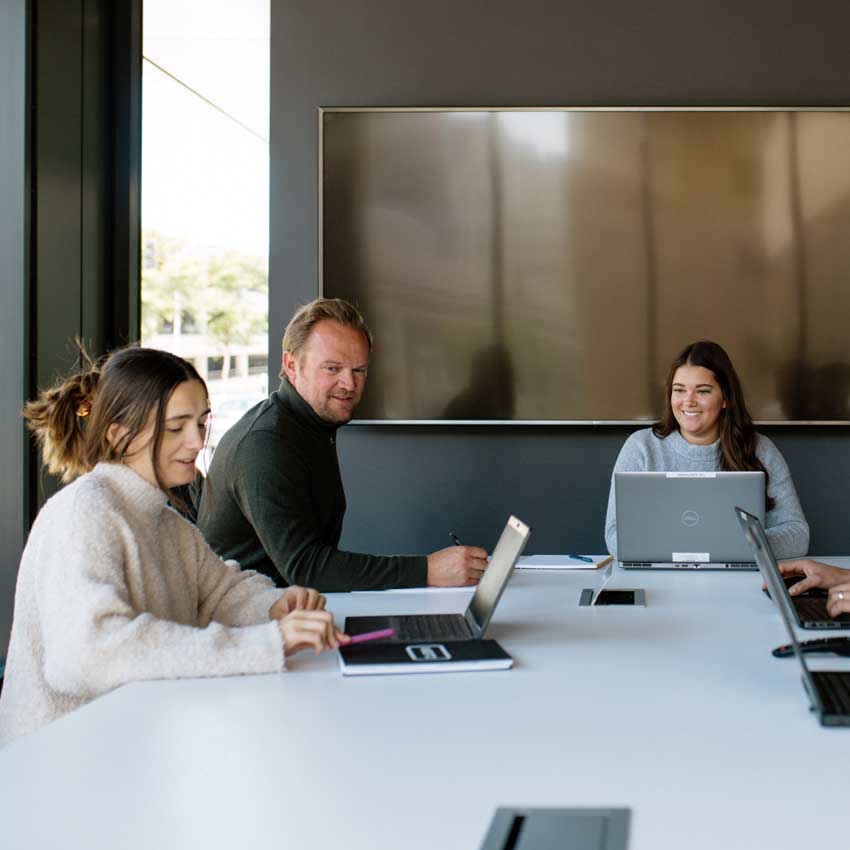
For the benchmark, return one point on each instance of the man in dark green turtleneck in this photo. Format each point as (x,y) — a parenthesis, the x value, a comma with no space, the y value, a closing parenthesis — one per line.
(273,499)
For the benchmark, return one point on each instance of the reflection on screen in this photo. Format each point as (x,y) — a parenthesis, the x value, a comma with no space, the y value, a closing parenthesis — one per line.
(549,265)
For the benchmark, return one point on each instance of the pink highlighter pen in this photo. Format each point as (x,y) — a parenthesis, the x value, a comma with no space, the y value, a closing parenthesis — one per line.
(381,633)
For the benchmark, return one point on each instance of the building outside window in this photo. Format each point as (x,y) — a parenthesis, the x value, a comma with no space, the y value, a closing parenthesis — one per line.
(205,181)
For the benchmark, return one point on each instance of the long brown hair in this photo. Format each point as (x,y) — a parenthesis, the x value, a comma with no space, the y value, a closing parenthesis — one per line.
(738,437)
(71,419)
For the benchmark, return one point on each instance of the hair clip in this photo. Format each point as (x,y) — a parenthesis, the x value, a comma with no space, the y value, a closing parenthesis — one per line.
(83,409)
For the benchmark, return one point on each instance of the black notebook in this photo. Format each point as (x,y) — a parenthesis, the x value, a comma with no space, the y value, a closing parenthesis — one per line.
(424,657)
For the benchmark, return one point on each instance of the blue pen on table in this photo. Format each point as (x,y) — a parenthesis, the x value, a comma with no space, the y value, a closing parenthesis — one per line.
(455,538)
(581,558)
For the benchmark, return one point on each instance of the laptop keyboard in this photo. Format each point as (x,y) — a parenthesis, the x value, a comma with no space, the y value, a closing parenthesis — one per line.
(812,609)
(834,690)
(432,627)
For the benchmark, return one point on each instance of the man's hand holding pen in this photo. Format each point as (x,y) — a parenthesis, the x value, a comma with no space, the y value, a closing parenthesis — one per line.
(456,566)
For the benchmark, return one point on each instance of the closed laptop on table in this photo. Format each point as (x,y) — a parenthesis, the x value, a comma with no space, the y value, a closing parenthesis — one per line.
(685,520)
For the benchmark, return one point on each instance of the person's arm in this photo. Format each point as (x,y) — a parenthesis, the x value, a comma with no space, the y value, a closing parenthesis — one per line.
(630,459)
(275,498)
(228,594)
(96,640)
(786,527)
(236,597)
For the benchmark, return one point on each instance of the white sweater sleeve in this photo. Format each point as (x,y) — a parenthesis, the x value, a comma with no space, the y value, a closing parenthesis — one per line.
(95,639)
(229,595)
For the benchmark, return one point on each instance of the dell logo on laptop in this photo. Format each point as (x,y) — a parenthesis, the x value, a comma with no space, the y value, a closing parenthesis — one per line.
(690,518)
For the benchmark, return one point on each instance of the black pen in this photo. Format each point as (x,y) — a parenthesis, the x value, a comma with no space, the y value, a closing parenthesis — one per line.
(454,538)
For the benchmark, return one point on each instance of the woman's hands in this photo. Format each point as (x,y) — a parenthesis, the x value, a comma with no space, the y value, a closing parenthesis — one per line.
(304,623)
(306,629)
(306,598)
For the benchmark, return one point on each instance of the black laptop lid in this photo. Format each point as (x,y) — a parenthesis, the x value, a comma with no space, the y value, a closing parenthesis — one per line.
(754,532)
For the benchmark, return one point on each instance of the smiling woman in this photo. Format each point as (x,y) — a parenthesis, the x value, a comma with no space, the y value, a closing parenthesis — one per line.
(181,438)
(697,402)
(115,586)
(706,427)
(705,403)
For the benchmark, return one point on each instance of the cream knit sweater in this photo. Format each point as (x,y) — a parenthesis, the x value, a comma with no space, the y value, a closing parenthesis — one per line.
(114,586)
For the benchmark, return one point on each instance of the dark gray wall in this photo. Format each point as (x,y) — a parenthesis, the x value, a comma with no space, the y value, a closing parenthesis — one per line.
(85,130)
(407,486)
(69,219)
(13,275)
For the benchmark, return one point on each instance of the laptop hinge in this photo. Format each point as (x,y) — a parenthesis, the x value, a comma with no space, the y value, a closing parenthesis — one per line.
(474,628)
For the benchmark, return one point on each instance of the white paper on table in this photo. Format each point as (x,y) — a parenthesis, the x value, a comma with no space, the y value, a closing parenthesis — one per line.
(560,562)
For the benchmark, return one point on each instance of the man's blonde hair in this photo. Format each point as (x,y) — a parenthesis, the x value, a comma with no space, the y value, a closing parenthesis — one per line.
(308,316)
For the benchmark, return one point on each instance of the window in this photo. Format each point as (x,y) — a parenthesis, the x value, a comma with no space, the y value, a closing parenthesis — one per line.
(258,364)
(205,119)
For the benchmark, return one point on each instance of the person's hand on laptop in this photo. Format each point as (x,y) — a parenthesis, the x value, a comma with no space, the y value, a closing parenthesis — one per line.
(310,630)
(294,597)
(456,566)
(814,574)
(838,601)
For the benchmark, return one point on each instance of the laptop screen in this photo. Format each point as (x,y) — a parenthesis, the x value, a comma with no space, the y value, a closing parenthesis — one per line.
(754,532)
(489,590)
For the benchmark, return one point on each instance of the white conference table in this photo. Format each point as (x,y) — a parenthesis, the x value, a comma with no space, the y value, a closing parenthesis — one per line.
(677,711)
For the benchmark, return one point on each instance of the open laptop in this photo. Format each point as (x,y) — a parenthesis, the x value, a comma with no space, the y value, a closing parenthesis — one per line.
(829,691)
(809,610)
(470,625)
(684,520)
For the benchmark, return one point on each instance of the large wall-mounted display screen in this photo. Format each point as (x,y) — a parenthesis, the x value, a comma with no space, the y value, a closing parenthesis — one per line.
(547,265)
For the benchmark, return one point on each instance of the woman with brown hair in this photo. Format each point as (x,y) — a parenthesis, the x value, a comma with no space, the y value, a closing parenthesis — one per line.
(116,586)
(706,428)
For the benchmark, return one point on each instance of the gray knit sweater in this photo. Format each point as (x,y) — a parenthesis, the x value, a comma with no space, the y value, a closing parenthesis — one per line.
(114,586)
(787,529)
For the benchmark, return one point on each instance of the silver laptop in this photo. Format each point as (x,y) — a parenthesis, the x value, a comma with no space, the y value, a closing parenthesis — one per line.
(470,625)
(685,520)
(829,691)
